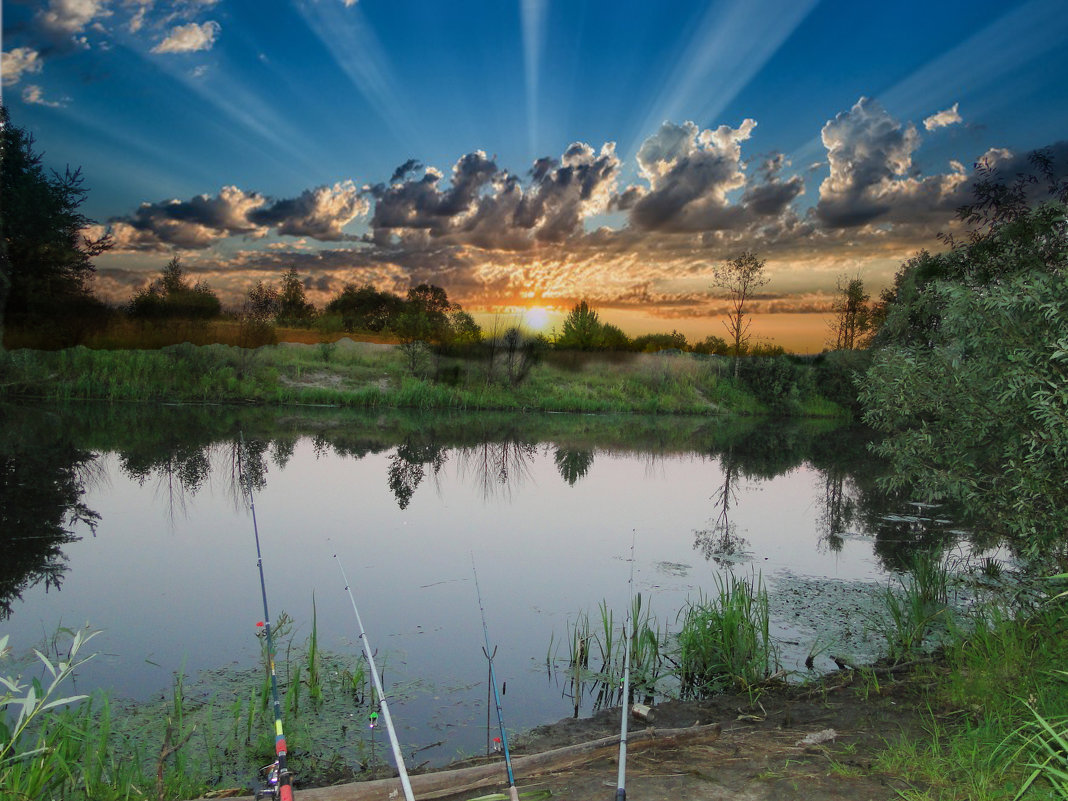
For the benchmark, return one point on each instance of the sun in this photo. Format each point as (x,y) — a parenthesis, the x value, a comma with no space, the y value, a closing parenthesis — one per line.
(536,318)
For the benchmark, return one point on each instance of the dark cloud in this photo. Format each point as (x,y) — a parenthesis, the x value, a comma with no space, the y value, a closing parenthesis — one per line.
(690,172)
(320,213)
(411,165)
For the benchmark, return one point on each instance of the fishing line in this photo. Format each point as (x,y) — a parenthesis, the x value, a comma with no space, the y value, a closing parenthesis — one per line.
(279,779)
(621,779)
(512,791)
(398,758)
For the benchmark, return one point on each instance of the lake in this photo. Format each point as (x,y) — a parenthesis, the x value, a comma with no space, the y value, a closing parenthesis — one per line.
(159,551)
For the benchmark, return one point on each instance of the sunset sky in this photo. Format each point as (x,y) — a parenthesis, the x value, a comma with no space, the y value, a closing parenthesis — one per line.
(532,152)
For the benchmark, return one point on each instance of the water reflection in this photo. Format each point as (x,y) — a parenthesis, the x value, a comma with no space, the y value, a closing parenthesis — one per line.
(43,479)
(180,450)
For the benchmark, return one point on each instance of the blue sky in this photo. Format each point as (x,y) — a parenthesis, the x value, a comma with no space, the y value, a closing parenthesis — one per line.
(554,150)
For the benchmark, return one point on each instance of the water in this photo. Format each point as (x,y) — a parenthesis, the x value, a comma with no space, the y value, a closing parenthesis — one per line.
(547,507)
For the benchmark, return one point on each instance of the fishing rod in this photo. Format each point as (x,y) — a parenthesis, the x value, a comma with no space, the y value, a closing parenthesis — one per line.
(512,791)
(621,779)
(398,758)
(279,779)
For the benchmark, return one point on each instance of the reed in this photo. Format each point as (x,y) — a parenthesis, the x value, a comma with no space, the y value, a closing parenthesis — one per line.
(724,640)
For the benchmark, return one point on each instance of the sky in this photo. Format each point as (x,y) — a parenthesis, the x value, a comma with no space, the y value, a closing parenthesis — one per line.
(532,153)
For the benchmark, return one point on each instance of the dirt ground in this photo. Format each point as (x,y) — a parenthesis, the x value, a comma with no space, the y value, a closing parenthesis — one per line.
(816,742)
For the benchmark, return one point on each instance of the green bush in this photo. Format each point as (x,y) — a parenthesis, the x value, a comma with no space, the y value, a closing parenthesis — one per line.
(778,382)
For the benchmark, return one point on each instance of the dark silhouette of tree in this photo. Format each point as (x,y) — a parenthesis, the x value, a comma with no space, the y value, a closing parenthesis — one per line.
(45,256)
(293,305)
(364,308)
(852,323)
(739,278)
(172,297)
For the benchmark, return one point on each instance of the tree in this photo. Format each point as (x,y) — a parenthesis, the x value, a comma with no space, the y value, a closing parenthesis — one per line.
(581,330)
(258,314)
(739,278)
(364,308)
(45,257)
(293,305)
(432,304)
(969,379)
(171,297)
(852,322)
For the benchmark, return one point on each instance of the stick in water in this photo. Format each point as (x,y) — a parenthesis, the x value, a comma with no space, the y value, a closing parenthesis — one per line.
(398,758)
(512,791)
(621,780)
(280,770)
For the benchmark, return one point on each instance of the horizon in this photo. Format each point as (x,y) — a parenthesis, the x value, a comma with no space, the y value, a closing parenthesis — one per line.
(533,154)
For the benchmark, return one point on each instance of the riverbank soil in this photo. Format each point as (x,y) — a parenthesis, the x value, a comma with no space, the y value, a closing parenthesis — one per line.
(782,742)
(790,742)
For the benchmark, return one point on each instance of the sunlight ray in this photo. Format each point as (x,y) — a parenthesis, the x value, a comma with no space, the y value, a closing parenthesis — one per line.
(970,69)
(347,36)
(533,15)
(730,45)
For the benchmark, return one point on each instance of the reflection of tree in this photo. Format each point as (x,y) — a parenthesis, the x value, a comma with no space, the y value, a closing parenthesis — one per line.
(839,509)
(721,541)
(407,468)
(573,464)
(499,466)
(41,489)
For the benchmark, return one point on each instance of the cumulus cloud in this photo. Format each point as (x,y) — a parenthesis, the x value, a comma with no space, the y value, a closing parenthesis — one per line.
(18,62)
(189,38)
(65,18)
(204,220)
(690,172)
(768,194)
(870,157)
(320,213)
(941,119)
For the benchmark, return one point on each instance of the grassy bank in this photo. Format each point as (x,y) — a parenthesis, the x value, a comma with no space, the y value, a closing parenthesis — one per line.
(988,678)
(373,375)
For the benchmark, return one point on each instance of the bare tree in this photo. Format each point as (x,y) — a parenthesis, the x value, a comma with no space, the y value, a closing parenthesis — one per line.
(852,323)
(739,278)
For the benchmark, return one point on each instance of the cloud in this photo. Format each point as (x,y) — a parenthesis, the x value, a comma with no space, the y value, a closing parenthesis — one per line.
(690,172)
(62,19)
(18,62)
(189,38)
(35,95)
(870,157)
(320,213)
(949,116)
(204,220)
(769,195)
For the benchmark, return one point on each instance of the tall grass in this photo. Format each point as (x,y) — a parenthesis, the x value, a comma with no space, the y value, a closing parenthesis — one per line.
(724,640)
(359,374)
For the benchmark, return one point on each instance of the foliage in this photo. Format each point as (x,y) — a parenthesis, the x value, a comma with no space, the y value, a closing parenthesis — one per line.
(651,343)
(26,770)
(739,278)
(581,329)
(170,296)
(293,306)
(712,346)
(45,256)
(778,382)
(970,378)
(838,375)
(364,308)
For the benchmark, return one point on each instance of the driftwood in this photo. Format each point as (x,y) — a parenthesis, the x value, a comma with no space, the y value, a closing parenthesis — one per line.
(449,782)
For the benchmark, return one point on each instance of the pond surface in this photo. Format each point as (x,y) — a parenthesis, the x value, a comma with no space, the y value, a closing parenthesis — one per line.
(546,507)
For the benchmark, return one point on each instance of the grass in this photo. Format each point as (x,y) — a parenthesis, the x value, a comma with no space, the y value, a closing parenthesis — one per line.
(365,375)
